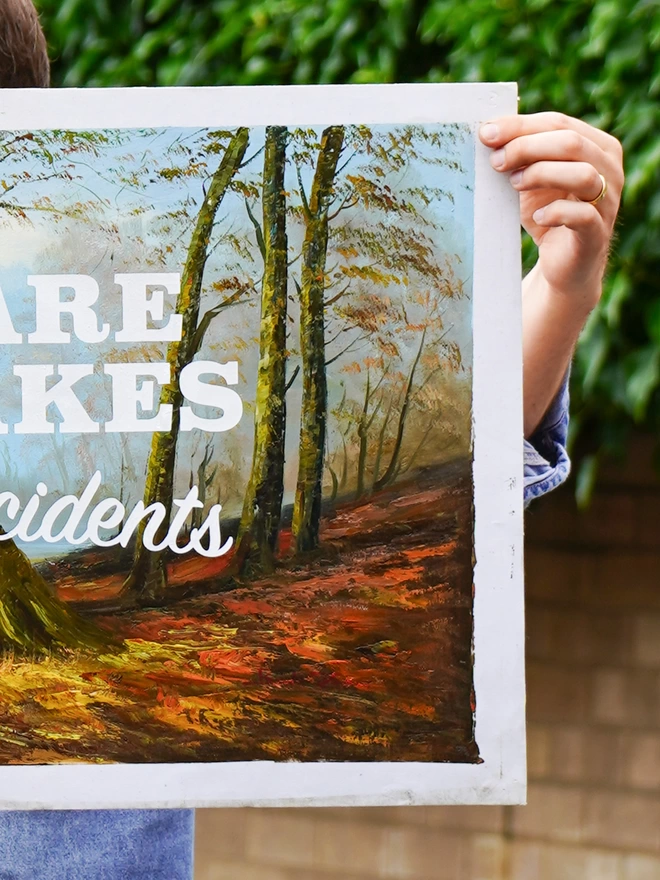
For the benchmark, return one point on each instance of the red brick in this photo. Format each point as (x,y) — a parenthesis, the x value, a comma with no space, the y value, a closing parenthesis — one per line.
(621,580)
(556,694)
(466,818)
(646,640)
(526,860)
(415,854)
(552,813)
(628,698)
(283,838)
(553,576)
(488,857)
(350,847)
(622,821)
(538,751)
(221,832)
(641,868)
(641,761)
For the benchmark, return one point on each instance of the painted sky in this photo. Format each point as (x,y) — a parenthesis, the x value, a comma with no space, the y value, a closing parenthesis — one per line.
(135,222)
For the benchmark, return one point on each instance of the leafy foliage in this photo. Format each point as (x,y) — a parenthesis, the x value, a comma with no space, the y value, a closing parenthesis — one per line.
(597,59)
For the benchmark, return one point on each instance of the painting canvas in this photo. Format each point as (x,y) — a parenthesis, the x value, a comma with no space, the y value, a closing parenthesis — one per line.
(259,449)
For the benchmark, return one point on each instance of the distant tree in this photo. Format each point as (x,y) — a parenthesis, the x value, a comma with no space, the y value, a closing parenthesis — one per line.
(203,479)
(381,238)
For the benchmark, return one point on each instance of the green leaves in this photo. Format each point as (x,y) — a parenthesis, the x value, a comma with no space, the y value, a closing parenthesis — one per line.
(596,59)
(643,371)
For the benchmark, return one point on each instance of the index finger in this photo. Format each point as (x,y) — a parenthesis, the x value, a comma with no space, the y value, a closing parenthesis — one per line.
(500,131)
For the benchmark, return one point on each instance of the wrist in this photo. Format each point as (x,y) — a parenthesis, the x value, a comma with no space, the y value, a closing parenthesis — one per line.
(571,307)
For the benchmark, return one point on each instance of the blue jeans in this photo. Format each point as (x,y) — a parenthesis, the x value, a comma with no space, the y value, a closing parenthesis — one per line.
(96,845)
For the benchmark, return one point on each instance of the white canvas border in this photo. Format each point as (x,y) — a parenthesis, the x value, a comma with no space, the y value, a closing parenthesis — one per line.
(497,419)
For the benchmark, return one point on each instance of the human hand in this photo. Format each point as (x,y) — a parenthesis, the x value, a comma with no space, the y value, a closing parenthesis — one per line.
(554,162)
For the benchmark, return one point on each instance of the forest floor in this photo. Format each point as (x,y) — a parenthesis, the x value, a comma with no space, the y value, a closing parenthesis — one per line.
(364,652)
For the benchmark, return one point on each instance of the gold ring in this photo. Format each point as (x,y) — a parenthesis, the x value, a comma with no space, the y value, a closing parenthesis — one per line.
(601,194)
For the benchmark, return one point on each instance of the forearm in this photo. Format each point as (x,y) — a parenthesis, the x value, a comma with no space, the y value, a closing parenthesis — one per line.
(569,176)
(552,322)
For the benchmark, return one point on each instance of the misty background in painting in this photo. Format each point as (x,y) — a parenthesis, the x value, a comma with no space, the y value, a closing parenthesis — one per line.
(334,266)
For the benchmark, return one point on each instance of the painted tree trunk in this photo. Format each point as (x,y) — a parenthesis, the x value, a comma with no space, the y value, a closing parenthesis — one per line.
(148,578)
(307,505)
(32,620)
(204,480)
(260,521)
(392,469)
(363,434)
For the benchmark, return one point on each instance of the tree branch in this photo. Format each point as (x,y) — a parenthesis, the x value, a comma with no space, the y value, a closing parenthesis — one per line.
(253,156)
(303,195)
(435,369)
(337,296)
(345,350)
(337,335)
(258,231)
(375,412)
(293,378)
(22,210)
(393,467)
(345,205)
(204,324)
(409,463)
(347,162)
(380,381)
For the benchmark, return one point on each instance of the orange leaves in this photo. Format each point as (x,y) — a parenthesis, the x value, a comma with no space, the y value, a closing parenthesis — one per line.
(389,348)
(378,196)
(344,658)
(374,315)
(193,169)
(232,282)
(226,660)
(169,701)
(370,273)
(370,362)
(245,188)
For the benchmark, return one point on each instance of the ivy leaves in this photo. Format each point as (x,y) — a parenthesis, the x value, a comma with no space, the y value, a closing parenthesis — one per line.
(596,59)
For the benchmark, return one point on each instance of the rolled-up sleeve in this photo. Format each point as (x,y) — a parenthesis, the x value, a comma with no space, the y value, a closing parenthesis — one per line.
(547,464)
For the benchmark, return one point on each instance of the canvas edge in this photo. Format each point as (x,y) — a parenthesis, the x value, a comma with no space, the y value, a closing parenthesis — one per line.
(143,107)
(499,629)
(501,778)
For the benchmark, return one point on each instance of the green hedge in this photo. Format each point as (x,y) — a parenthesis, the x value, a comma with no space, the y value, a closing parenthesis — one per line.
(599,60)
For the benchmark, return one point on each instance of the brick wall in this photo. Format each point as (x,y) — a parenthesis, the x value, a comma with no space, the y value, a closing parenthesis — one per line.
(593,612)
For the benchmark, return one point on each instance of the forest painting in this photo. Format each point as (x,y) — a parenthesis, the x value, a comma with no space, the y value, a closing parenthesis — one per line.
(236,445)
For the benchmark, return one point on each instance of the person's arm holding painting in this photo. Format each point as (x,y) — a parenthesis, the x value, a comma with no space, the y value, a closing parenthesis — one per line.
(570,177)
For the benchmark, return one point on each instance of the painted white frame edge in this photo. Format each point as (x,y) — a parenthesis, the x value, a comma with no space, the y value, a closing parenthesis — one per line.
(498,467)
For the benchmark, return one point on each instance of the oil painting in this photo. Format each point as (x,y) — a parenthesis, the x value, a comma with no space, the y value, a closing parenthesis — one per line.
(238,446)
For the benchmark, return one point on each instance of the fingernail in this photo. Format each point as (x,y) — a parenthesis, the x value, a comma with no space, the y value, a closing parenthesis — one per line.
(489,131)
(537,216)
(497,159)
(516,177)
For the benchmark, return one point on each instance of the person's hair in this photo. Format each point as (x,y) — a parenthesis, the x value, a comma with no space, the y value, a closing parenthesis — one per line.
(23,53)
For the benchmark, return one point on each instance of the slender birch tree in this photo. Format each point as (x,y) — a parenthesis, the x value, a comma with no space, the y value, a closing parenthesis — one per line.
(307,505)
(147,580)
